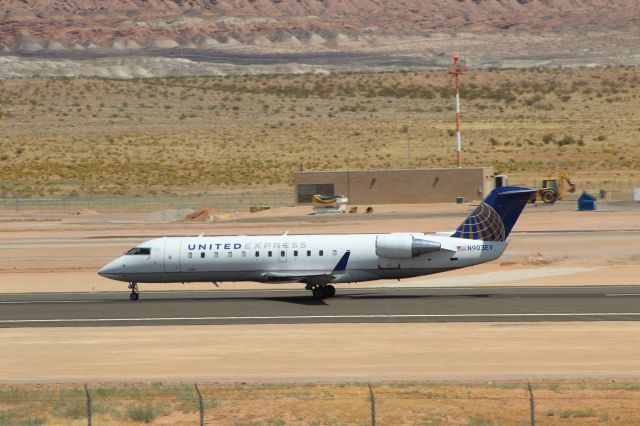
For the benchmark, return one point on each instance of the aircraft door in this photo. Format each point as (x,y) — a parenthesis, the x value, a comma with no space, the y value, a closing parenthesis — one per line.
(172,254)
(155,262)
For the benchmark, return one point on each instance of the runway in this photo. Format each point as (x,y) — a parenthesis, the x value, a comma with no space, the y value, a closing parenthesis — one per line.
(362,305)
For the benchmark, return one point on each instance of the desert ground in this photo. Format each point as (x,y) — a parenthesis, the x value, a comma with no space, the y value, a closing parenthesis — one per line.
(557,402)
(70,137)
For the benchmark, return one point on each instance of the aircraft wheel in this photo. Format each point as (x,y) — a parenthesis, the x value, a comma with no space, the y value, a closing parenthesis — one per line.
(133,286)
(329,290)
(548,197)
(318,293)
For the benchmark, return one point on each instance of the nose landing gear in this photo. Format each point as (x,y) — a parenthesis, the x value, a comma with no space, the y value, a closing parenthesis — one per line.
(135,293)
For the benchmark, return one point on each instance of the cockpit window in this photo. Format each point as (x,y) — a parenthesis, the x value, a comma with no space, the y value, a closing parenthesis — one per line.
(138,251)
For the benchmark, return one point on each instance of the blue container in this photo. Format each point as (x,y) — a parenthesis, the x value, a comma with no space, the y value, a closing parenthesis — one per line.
(586,202)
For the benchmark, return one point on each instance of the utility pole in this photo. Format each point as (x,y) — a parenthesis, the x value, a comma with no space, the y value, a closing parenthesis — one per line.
(408,145)
(457,69)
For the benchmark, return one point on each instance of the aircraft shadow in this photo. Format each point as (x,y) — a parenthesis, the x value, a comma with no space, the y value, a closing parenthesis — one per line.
(310,301)
(301,300)
(412,296)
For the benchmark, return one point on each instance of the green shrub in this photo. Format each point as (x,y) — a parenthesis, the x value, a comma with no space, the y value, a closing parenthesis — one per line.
(567,140)
(75,408)
(565,414)
(32,421)
(479,421)
(145,413)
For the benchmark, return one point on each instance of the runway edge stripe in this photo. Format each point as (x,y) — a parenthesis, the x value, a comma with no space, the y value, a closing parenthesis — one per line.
(575,314)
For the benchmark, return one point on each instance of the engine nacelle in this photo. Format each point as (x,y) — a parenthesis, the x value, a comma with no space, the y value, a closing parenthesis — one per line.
(403,246)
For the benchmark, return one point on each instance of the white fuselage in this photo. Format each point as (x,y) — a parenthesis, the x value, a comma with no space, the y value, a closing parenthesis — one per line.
(264,258)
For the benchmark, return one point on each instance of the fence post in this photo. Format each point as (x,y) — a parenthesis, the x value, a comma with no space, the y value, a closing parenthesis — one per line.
(200,404)
(86,391)
(532,405)
(373,406)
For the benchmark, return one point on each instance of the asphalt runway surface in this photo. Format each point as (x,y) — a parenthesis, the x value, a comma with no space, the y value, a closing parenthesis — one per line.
(362,305)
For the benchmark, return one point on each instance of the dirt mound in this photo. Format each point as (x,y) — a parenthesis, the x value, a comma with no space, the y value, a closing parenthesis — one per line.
(204,214)
(27,44)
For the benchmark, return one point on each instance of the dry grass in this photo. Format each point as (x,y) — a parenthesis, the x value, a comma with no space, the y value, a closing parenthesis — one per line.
(397,403)
(84,136)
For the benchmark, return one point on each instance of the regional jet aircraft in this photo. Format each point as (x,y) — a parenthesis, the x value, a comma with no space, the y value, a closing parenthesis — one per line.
(319,261)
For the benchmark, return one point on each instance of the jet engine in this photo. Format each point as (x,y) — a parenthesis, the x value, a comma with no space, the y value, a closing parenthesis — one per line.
(402,246)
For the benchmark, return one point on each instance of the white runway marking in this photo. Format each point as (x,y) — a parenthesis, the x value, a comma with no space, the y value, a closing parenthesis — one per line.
(622,294)
(303,317)
(27,302)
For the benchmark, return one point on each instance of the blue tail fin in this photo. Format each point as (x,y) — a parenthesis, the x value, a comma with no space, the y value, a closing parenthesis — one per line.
(494,218)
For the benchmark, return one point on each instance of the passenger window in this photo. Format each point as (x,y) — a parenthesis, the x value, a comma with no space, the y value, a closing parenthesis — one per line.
(257,254)
(244,254)
(282,253)
(270,254)
(308,252)
(334,252)
(321,253)
(230,254)
(295,253)
(189,255)
(202,255)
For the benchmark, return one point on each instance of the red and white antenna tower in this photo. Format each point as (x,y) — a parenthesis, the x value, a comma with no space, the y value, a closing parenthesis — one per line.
(457,69)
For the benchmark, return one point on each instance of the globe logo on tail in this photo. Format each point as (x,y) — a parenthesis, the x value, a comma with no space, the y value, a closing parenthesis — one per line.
(484,223)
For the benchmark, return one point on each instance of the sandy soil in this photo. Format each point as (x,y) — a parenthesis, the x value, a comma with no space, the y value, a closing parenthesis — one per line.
(553,246)
(313,352)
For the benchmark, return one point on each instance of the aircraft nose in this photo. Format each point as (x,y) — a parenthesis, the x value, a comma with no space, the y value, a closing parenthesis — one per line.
(112,269)
(104,271)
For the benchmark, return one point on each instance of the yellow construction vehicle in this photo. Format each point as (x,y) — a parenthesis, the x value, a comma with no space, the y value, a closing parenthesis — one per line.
(553,189)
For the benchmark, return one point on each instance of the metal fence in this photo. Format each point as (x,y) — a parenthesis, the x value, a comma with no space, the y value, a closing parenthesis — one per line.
(148,203)
(479,404)
(219,202)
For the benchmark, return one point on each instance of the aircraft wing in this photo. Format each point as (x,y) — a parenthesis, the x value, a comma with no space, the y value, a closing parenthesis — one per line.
(307,278)
(313,278)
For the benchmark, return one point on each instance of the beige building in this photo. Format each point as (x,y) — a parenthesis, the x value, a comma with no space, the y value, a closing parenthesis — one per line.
(411,186)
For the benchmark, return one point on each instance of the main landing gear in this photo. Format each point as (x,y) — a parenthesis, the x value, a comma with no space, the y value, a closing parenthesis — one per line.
(323,291)
(135,293)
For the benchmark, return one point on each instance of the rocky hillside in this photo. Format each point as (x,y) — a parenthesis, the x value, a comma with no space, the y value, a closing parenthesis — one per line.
(94,27)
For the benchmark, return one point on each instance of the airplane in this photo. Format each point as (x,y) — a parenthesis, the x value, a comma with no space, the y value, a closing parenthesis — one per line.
(320,261)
